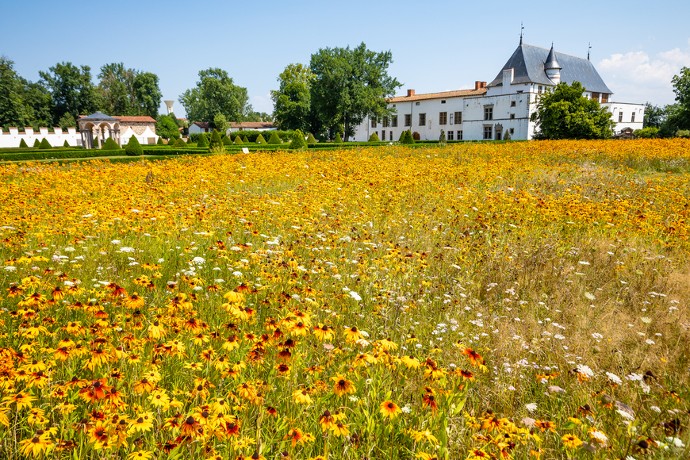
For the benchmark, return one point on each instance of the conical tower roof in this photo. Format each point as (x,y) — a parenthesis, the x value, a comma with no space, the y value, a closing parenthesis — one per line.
(551,62)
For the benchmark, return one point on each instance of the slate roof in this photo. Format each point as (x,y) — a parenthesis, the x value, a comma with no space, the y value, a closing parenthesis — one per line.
(441,95)
(98,116)
(528,64)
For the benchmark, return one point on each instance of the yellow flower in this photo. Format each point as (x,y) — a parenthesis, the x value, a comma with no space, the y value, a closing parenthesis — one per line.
(389,409)
(301,396)
(571,441)
(140,455)
(342,386)
(142,423)
(36,446)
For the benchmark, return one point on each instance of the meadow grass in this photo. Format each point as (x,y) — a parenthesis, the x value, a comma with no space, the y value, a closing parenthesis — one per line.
(517,300)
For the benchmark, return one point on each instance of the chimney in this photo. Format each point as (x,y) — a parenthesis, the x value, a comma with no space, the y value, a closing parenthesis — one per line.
(410,92)
(479,84)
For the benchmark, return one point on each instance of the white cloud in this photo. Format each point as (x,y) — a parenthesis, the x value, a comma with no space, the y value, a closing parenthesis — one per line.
(636,76)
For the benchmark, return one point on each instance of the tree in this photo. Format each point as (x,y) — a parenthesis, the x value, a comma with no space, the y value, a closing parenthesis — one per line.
(292,99)
(564,113)
(67,121)
(115,89)
(71,90)
(220,123)
(654,116)
(374,137)
(251,115)
(22,103)
(406,137)
(124,91)
(203,141)
(166,127)
(147,94)
(348,85)
(215,93)
(681,86)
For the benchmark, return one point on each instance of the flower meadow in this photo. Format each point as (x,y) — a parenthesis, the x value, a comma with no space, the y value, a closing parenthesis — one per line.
(518,300)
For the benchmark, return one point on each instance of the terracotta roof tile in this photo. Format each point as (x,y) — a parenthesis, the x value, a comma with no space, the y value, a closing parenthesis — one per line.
(135,119)
(252,124)
(441,95)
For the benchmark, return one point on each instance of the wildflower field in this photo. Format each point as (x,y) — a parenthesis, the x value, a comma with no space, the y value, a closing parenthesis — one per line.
(519,300)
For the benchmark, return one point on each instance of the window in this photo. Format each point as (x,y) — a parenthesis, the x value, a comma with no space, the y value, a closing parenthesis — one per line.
(422,119)
(450,135)
(512,131)
(383,135)
(541,89)
(512,103)
(620,117)
(489,112)
(458,118)
(512,116)
(459,135)
(443,118)
(443,101)
(487,132)
(632,118)
(390,135)
(595,96)
(385,122)
(604,98)
(408,119)
(373,122)
(394,121)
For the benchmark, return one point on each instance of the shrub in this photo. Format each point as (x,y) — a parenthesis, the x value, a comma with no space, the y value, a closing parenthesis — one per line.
(45,144)
(311,140)
(646,133)
(374,137)
(37,144)
(298,141)
(215,140)
(685,133)
(274,139)
(260,139)
(238,140)
(202,141)
(338,136)
(227,140)
(406,137)
(507,136)
(179,143)
(133,147)
(110,144)
(442,138)
(245,140)
(66,144)
(160,141)
(22,144)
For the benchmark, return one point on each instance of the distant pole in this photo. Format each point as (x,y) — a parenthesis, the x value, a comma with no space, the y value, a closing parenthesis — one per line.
(521,29)
(589,48)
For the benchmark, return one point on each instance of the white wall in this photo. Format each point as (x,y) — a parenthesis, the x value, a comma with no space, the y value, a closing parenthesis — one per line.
(56,137)
(624,111)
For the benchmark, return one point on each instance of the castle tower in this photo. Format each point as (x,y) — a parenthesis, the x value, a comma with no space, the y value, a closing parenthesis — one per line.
(552,67)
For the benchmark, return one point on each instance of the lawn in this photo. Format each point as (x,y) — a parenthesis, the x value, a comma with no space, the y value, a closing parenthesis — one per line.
(511,300)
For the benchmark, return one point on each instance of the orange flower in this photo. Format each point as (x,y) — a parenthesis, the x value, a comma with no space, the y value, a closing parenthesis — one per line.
(342,386)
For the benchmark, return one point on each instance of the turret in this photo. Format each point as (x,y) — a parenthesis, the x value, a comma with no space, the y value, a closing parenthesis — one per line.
(552,67)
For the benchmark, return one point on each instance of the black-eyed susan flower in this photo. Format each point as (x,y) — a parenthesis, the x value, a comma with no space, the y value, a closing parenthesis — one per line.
(389,409)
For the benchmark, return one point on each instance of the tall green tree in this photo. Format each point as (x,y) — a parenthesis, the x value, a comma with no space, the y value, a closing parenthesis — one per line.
(71,90)
(215,93)
(654,115)
(124,91)
(38,103)
(116,89)
(348,85)
(166,127)
(564,113)
(681,86)
(147,94)
(292,99)
(13,111)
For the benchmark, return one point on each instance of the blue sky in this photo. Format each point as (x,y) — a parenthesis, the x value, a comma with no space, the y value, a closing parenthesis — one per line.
(437,45)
